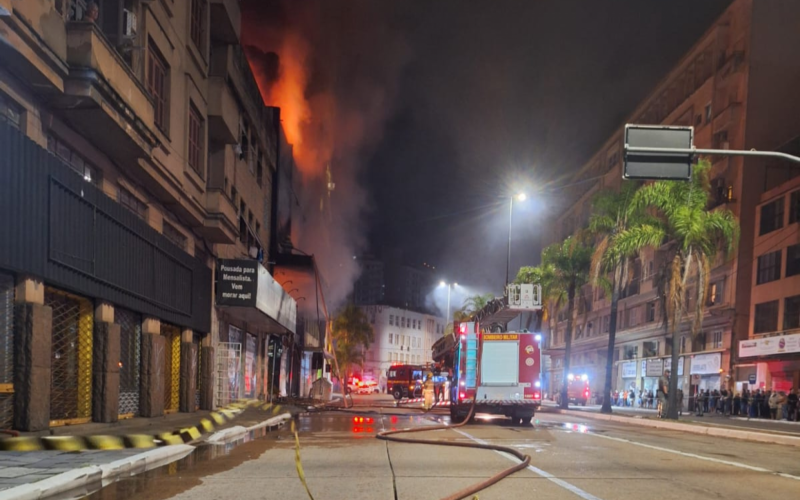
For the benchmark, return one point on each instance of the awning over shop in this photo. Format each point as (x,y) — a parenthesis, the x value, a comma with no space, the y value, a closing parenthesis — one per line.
(246,289)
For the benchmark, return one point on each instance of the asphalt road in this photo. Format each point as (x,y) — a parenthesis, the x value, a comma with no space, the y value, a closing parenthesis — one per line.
(570,459)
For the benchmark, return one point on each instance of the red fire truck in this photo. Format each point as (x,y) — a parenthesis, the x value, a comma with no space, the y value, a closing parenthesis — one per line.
(577,389)
(509,380)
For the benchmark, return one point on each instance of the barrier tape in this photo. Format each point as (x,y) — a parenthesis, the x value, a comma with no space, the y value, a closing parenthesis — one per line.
(420,400)
(183,435)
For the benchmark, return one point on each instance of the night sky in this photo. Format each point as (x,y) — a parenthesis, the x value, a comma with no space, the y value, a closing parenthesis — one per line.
(479,100)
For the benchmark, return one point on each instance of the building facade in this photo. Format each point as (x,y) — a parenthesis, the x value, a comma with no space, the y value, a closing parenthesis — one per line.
(402,336)
(770,357)
(729,89)
(136,157)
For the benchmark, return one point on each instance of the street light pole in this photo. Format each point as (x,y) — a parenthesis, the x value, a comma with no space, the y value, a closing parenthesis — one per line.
(520,197)
(448,304)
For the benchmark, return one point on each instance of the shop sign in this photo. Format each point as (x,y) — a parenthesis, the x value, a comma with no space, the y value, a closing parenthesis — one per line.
(706,364)
(769,345)
(655,368)
(237,283)
(273,300)
(629,369)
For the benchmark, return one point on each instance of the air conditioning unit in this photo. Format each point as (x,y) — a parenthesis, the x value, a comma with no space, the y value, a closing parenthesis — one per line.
(128,23)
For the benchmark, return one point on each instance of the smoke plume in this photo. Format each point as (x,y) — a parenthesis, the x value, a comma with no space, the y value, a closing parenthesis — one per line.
(317,61)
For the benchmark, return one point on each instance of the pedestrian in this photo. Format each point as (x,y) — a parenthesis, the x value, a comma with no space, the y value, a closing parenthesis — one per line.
(706,398)
(663,390)
(745,402)
(773,405)
(737,404)
(92,12)
(783,413)
(650,399)
(791,403)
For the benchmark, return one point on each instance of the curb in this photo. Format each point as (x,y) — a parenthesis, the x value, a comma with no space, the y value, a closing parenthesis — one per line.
(85,479)
(237,432)
(761,437)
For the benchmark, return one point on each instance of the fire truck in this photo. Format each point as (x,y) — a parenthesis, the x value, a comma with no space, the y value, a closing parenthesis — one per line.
(577,389)
(497,369)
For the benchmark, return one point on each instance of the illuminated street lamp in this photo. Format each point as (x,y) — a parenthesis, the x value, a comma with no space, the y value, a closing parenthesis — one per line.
(519,197)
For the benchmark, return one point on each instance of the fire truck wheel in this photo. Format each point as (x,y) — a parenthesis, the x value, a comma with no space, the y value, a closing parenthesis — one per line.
(526,420)
(397,394)
(455,417)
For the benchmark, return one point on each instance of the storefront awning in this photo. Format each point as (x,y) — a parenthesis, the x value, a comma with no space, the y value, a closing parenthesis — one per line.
(247,290)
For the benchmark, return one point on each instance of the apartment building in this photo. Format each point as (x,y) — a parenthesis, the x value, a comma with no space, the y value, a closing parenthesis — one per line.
(136,159)
(402,336)
(770,357)
(734,86)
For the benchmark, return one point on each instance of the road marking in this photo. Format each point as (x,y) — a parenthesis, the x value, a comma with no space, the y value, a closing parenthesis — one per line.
(699,457)
(567,486)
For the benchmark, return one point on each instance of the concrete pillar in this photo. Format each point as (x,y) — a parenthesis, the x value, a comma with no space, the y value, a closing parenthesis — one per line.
(189,368)
(33,337)
(105,365)
(207,372)
(151,399)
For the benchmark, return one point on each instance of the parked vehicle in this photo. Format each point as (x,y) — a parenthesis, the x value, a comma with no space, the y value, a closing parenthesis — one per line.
(405,381)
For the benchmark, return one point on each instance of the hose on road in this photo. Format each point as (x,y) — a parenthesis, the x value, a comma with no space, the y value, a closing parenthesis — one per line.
(525,460)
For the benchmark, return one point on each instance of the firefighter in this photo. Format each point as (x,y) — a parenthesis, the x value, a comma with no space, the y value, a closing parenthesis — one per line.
(427,391)
(663,393)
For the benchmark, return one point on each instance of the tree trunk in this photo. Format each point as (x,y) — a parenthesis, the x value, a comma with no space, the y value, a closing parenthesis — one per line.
(568,345)
(612,339)
(672,397)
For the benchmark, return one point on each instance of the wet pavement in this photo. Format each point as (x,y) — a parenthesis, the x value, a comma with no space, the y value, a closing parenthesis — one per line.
(570,458)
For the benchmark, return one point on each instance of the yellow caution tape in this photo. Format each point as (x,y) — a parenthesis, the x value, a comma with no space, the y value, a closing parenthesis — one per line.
(297,463)
(181,436)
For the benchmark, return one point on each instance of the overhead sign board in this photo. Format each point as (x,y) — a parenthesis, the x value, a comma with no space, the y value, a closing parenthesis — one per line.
(237,283)
(705,364)
(658,165)
(655,368)
(769,346)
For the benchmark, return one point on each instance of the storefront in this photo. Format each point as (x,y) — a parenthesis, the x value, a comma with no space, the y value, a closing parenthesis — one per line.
(771,362)
(652,370)
(706,370)
(254,311)
(628,375)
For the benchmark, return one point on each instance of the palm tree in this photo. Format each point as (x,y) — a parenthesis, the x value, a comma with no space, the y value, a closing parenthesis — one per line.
(570,262)
(621,234)
(698,235)
(353,334)
(475,303)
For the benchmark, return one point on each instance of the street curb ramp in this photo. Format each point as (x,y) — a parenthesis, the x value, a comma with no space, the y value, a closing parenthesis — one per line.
(761,437)
(184,435)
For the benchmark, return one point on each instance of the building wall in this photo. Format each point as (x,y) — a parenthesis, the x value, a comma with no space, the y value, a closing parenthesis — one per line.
(401,337)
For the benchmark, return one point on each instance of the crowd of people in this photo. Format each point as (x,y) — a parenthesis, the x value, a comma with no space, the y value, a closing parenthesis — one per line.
(774,405)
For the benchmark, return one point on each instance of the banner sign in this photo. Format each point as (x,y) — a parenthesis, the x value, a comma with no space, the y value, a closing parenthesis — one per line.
(237,282)
(629,369)
(705,364)
(655,368)
(770,345)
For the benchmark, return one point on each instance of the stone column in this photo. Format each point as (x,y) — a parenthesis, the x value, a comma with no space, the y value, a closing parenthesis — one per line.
(189,368)
(105,365)
(207,372)
(151,399)
(33,338)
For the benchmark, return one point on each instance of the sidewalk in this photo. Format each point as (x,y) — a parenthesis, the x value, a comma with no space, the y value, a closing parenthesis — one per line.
(74,474)
(708,419)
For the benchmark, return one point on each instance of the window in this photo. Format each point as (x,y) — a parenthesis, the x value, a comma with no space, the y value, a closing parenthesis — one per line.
(198,23)
(716,339)
(606,323)
(195,140)
(10,112)
(715,293)
(792,260)
(260,172)
(683,344)
(651,311)
(127,200)
(633,317)
(391,319)
(75,161)
(173,235)
(766,317)
(391,338)
(771,217)
(794,207)
(769,267)
(708,113)
(791,313)
(158,86)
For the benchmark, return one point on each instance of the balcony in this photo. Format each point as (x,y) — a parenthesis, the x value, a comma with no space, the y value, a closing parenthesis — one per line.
(223,114)
(226,20)
(220,225)
(103,98)
(728,118)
